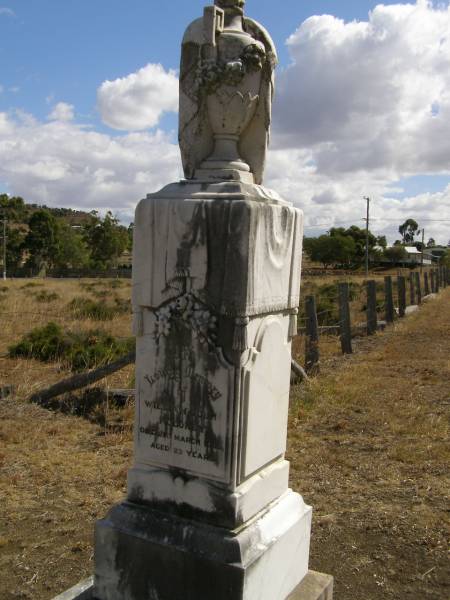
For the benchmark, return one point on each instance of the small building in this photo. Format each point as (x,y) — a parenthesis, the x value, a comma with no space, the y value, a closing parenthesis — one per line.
(413,257)
(435,253)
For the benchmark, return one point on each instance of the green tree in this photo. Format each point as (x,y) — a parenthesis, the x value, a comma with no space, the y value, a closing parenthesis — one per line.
(382,241)
(396,254)
(431,243)
(12,207)
(15,237)
(42,240)
(408,231)
(106,240)
(73,252)
(358,235)
(331,249)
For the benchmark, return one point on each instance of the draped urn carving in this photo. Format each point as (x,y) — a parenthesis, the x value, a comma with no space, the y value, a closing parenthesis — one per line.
(226,87)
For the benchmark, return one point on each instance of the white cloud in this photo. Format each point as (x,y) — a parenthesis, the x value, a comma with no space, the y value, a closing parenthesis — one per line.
(138,101)
(370,96)
(62,112)
(362,105)
(8,12)
(60,163)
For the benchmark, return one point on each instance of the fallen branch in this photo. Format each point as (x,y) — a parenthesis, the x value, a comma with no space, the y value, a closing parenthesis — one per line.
(82,380)
(299,371)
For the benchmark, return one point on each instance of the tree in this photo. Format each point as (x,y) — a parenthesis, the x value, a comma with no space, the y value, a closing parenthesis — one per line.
(12,207)
(382,241)
(358,236)
(431,243)
(396,253)
(331,249)
(105,239)
(15,237)
(41,241)
(73,252)
(408,231)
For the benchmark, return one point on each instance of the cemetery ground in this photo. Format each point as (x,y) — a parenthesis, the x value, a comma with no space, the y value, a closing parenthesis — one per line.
(368,444)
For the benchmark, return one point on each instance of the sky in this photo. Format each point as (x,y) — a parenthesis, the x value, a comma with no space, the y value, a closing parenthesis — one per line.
(89,100)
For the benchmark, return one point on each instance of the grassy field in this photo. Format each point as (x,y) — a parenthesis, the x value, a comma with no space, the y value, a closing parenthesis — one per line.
(368,441)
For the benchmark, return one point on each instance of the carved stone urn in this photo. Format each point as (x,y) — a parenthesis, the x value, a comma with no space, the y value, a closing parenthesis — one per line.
(230,77)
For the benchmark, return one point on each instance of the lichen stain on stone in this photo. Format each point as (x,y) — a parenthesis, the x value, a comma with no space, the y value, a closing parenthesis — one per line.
(185,395)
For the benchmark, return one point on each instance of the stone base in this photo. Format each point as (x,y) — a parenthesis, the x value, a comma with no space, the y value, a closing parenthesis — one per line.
(82,591)
(141,554)
(315,586)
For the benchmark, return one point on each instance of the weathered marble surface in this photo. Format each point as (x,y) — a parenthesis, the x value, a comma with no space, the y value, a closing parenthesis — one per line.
(173,558)
(215,291)
(226,88)
(239,252)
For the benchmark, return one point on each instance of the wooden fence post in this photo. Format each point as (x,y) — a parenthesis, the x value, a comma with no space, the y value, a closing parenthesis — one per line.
(401,291)
(388,300)
(372,323)
(312,355)
(412,295)
(344,319)
(426,283)
(436,280)
(418,288)
(433,283)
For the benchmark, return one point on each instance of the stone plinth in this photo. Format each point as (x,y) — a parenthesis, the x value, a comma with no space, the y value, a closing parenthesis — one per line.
(209,514)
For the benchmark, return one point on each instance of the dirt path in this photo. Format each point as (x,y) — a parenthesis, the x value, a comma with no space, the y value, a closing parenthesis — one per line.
(369,447)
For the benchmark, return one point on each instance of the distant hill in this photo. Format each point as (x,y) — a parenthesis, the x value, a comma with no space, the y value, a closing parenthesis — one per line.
(18,212)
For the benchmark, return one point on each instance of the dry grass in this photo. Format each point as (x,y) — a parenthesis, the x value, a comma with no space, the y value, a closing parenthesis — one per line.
(369,445)
(21,311)
(368,441)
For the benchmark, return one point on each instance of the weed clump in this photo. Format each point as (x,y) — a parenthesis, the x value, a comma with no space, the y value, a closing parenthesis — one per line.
(45,296)
(86,308)
(78,351)
(31,284)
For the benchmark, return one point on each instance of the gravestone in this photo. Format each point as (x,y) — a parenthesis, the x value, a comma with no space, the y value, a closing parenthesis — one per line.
(216,279)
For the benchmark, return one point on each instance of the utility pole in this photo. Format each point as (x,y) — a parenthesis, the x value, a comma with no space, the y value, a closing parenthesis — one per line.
(4,248)
(367,235)
(423,248)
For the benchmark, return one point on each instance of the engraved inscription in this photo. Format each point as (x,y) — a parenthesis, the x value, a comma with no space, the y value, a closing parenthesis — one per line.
(185,388)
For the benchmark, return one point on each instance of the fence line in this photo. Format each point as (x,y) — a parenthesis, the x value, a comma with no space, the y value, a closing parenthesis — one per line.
(436,278)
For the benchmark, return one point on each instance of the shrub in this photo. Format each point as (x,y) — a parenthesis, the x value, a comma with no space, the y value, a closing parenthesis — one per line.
(46,296)
(44,343)
(86,308)
(77,350)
